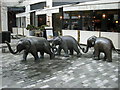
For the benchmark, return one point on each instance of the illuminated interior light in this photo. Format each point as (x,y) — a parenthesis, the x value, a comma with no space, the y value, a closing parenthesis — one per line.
(79,16)
(116,21)
(61,17)
(103,15)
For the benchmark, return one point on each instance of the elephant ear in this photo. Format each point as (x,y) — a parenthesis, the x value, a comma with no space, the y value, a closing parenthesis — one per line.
(60,40)
(93,43)
(93,40)
(27,44)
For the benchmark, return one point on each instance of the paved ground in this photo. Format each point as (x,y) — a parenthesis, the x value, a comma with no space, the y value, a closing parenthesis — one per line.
(72,72)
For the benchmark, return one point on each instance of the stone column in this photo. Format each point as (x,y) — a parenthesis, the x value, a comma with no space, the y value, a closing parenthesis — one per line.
(0,16)
(4,19)
(27,15)
(49,19)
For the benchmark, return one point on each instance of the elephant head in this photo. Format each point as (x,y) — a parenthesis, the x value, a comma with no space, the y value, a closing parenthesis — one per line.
(22,45)
(55,42)
(90,43)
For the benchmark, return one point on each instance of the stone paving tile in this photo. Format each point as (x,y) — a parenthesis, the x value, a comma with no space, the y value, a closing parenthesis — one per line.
(71,72)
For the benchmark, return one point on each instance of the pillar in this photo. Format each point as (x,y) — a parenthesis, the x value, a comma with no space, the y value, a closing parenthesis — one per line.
(27,15)
(4,19)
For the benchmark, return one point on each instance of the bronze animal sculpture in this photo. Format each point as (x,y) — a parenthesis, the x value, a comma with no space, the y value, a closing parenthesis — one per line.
(100,44)
(32,45)
(66,43)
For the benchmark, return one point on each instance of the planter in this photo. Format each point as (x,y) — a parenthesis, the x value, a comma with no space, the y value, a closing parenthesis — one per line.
(38,33)
(32,33)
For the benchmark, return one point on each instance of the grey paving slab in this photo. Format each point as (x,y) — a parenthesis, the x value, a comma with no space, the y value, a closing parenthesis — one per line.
(61,72)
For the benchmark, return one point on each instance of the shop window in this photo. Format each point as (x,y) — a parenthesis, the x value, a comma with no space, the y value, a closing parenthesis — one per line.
(72,20)
(106,20)
(32,18)
(112,21)
(40,5)
(86,20)
(18,22)
(23,22)
(66,21)
(99,20)
(75,21)
(56,21)
(41,20)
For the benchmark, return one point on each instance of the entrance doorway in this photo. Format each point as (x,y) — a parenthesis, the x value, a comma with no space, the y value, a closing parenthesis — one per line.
(12,11)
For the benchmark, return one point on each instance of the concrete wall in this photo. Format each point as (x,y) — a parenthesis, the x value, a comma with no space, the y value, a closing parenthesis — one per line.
(73,33)
(26,32)
(20,31)
(113,36)
(36,1)
(49,3)
(84,35)
(95,5)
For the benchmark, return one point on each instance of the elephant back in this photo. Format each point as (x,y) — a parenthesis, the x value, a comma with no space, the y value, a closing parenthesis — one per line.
(69,39)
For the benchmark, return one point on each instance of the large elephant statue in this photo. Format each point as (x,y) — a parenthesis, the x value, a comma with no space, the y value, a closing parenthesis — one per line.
(100,44)
(32,45)
(66,43)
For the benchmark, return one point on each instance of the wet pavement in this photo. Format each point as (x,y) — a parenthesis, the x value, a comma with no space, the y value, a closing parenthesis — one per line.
(61,72)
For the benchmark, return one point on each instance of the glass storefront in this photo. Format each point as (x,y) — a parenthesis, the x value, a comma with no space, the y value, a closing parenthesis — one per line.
(21,22)
(100,20)
(72,20)
(106,21)
(56,21)
(41,20)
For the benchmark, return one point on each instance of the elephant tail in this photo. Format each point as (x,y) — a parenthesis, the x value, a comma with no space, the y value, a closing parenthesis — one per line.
(116,49)
(80,46)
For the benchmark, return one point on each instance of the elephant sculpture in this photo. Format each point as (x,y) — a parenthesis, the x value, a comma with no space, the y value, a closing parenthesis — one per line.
(100,44)
(66,43)
(32,45)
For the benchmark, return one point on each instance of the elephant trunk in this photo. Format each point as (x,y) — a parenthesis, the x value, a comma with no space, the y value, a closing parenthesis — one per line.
(85,50)
(10,49)
(54,49)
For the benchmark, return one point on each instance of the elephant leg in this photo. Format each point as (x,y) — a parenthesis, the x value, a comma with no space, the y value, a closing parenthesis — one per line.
(93,55)
(66,52)
(96,53)
(105,56)
(71,51)
(25,55)
(109,56)
(59,51)
(35,54)
(48,51)
(41,54)
(78,51)
(96,56)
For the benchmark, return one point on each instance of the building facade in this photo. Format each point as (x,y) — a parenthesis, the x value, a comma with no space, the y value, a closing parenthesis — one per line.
(78,15)
(84,15)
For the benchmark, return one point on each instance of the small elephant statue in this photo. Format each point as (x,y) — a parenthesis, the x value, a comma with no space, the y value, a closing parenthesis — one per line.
(66,43)
(100,44)
(32,45)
